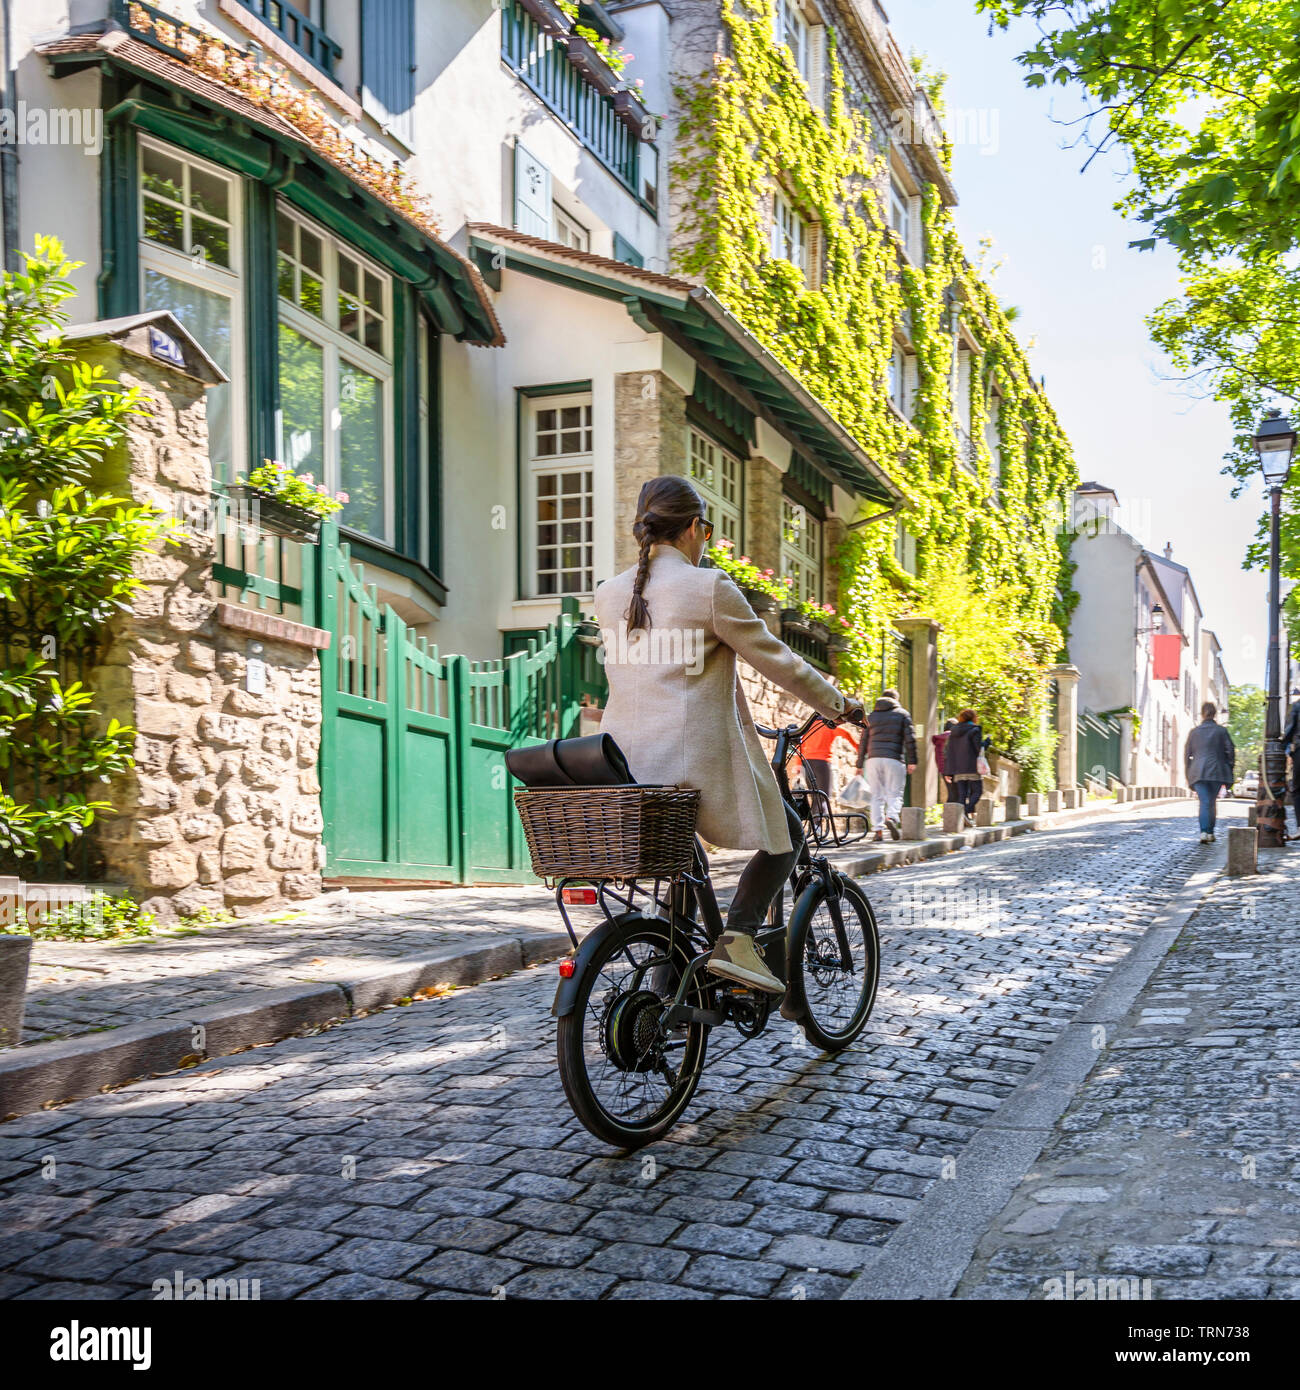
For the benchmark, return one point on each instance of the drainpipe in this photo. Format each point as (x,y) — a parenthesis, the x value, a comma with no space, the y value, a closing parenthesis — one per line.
(8,149)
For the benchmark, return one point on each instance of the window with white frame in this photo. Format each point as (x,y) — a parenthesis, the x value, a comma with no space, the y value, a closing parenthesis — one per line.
(336,371)
(801,550)
(993,440)
(559,482)
(567,231)
(904,548)
(792,29)
(789,233)
(716,475)
(190,254)
(898,375)
(900,210)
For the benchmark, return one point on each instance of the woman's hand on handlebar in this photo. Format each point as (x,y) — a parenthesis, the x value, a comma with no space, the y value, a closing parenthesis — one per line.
(854,712)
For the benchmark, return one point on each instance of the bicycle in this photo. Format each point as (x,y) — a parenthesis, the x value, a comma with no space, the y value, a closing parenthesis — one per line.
(635,1004)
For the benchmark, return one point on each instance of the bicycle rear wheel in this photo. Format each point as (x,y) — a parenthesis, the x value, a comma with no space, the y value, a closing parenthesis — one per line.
(628,1080)
(835,954)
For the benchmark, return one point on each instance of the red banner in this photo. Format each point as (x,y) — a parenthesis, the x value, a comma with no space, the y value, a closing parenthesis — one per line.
(1166,649)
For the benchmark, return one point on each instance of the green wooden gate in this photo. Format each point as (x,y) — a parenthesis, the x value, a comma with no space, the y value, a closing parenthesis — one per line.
(412,760)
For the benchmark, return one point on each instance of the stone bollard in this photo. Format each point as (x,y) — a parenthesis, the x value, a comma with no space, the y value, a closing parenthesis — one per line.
(912,822)
(952,817)
(15,958)
(1035,804)
(1011,808)
(1252,814)
(1068,795)
(1054,799)
(1243,847)
(984,811)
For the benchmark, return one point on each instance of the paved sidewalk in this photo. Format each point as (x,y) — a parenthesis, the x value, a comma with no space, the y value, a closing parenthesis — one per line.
(1173,1174)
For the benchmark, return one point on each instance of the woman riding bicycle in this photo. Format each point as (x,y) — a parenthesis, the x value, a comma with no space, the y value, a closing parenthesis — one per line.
(677,710)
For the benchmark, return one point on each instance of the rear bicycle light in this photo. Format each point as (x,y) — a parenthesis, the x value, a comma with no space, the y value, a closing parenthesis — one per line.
(567,968)
(582,897)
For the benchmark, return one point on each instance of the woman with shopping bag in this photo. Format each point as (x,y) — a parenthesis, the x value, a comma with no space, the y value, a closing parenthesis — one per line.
(965,764)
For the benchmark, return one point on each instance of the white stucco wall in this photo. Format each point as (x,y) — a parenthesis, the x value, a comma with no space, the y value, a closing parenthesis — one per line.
(554,335)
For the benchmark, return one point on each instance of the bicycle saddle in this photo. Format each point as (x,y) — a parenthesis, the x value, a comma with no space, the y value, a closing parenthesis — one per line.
(593,761)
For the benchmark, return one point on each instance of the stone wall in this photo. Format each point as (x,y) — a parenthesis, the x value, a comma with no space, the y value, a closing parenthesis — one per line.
(222,809)
(650,438)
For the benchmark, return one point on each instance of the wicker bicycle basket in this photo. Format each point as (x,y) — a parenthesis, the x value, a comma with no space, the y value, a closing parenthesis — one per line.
(609,832)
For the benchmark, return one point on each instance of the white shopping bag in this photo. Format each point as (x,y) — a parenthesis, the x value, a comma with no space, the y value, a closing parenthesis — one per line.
(855,793)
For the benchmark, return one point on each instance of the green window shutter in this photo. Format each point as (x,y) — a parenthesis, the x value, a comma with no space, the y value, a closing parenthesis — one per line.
(388,64)
(532,194)
(625,251)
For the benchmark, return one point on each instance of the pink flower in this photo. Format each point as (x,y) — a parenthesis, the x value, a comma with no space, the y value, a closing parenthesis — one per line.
(306,477)
(744,559)
(342,497)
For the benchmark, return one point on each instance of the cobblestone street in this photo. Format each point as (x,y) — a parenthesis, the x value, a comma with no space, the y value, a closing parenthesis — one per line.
(429,1152)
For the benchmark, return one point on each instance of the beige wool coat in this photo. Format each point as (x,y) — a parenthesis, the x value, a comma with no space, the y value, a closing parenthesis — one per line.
(676,707)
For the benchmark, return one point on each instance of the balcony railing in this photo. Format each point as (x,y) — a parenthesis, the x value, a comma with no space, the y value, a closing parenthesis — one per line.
(298,32)
(543,64)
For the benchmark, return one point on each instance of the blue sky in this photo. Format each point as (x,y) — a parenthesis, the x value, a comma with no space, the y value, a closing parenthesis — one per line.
(1083,295)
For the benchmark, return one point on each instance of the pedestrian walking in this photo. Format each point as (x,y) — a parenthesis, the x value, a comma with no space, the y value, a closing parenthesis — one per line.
(1291,746)
(816,757)
(887,755)
(962,756)
(1211,761)
(939,742)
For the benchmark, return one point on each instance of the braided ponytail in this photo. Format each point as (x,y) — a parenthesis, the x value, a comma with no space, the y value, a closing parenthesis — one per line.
(665,508)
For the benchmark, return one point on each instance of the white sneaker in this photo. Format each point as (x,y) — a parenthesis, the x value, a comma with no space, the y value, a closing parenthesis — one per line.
(1206,837)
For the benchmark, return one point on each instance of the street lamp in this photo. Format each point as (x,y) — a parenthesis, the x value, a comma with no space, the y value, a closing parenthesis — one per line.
(1275,444)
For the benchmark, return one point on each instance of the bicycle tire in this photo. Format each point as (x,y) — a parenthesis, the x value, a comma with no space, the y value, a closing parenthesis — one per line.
(812,946)
(575,1044)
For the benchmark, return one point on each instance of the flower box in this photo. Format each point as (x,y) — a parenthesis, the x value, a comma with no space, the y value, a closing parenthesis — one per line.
(837,643)
(793,620)
(277,517)
(759,601)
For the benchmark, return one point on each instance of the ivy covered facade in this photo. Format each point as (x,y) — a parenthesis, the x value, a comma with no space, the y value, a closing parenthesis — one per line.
(810,194)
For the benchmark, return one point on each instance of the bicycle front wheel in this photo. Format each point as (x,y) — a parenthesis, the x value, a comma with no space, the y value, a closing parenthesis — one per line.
(627,1078)
(835,952)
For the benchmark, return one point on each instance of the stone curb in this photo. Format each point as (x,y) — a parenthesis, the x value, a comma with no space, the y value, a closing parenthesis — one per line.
(933,846)
(54,1072)
(928,1254)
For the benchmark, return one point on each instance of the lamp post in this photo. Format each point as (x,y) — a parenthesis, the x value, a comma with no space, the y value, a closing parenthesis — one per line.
(1275,444)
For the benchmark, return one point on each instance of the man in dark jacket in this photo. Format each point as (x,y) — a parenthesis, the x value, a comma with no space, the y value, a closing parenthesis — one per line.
(1291,744)
(1211,761)
(888,754)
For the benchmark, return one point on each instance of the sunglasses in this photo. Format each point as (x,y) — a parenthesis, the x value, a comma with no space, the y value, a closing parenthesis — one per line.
(707,526)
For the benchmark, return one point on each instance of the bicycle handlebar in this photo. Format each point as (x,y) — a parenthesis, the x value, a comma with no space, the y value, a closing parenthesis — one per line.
(799,732)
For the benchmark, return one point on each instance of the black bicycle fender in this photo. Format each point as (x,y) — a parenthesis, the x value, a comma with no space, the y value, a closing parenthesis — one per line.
(566,993)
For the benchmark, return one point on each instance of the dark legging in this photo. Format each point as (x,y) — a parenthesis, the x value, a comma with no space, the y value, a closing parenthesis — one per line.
(763,878)
(967,791)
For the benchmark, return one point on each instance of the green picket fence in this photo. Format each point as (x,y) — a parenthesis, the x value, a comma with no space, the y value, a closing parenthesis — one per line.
(413,742)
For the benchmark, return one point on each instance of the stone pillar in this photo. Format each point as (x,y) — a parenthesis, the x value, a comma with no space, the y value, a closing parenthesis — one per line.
(1035,804)
(912,823)
(15,957)
(650,438)
(984,811)
(923,634)
(763,491)
(952,817)
(1011,808)
(1067,724)
(1054,800)
(222,807)
(1127,748)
